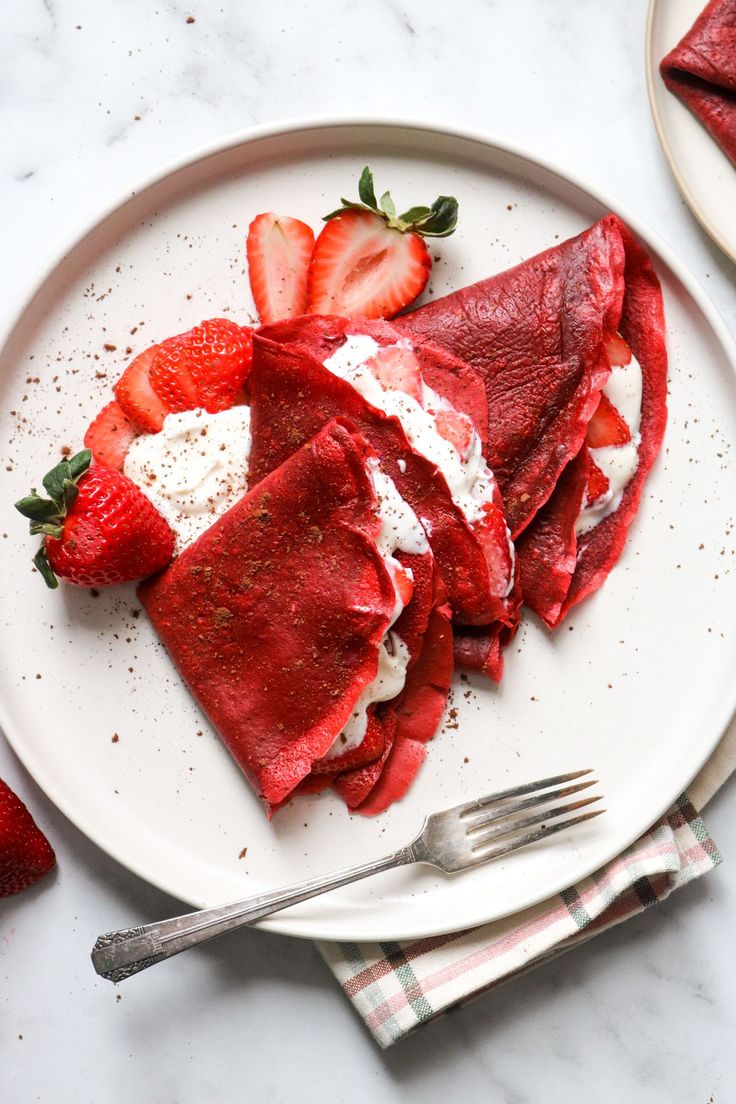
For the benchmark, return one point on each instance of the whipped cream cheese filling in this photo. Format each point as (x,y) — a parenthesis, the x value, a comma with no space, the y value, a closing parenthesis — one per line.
(617,462)
(469,478)
(400,532)
(194,469)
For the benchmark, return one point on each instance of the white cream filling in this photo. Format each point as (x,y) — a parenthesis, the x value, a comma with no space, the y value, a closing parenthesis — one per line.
(194,469)
(617,462)
(400,532)
(469,479)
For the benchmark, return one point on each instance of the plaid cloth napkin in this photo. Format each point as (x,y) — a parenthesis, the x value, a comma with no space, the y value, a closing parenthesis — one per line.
(396,987)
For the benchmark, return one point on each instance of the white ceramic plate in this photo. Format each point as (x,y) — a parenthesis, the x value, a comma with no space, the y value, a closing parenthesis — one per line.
(639,684)
(703,173)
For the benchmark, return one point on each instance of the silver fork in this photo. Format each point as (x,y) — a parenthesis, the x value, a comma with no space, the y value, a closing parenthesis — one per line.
(456,839)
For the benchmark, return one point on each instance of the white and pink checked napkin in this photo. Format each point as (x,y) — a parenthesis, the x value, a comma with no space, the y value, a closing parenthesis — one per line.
(396,987)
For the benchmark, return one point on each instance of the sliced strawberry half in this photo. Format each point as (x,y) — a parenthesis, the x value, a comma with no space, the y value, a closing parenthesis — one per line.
(170,376)
(607,426)
(279,249)
(494,540)
(370,262)
(362,268)
(455,427)
(618,351)
(206,366)
(221,355)
(137,399)
(397,369)
(109,436)
(598,484)
(403,582)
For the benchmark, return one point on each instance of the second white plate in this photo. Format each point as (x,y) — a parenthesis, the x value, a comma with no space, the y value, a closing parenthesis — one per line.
(703,173)
(639,683)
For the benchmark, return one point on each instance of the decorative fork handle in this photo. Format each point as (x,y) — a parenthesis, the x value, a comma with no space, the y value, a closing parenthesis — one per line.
(120,954)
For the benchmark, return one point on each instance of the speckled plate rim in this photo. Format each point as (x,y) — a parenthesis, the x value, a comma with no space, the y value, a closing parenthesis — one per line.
(282,923)
(652,74)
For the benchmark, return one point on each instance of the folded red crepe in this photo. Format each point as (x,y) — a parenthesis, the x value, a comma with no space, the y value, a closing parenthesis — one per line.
(274,616)
(558,568)
(537,334)
(414,716)
(701,70)
(292,394)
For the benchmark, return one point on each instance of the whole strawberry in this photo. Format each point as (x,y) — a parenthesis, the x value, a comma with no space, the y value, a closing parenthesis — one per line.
(98,528)
(25,853)
(370,262)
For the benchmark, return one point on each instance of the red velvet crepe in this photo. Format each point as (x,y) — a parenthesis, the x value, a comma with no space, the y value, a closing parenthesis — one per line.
(480,648)
(535,333)
(275,614)
(701,70)
(322,334)
(292,395)
(558,570)
(411,720)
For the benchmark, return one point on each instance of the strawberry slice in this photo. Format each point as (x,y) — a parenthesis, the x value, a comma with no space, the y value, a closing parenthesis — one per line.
(109,436)
(362,268)
(370,262)
(494,540)
(402,581)
(279,249)
(137,399)
(618,351)
(170,376)
(456,428)
(597,484)
(219,357)
(397,369)
(607,427)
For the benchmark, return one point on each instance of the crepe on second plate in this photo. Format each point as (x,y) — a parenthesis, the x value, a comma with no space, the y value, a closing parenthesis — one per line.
(701,70)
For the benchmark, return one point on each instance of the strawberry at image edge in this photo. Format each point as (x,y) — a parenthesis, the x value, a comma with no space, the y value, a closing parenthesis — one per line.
(25,853)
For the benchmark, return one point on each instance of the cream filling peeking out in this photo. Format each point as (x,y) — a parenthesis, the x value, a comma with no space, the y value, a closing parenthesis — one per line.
(400,532)
(468,477)
(617,462)
(194,469)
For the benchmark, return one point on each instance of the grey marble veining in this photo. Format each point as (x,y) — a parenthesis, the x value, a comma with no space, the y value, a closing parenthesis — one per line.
(94,97)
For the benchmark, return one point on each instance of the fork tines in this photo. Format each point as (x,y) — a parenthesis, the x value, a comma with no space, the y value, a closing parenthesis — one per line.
(496,817)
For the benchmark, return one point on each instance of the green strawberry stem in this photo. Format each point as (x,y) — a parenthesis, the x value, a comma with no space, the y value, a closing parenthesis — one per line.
(47,515)
(437,221)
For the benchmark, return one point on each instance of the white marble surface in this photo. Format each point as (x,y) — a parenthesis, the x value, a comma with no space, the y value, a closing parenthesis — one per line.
(94,96)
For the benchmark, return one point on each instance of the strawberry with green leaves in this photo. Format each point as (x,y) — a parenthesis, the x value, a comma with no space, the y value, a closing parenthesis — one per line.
(97,527)
(370,262)
(25,853)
